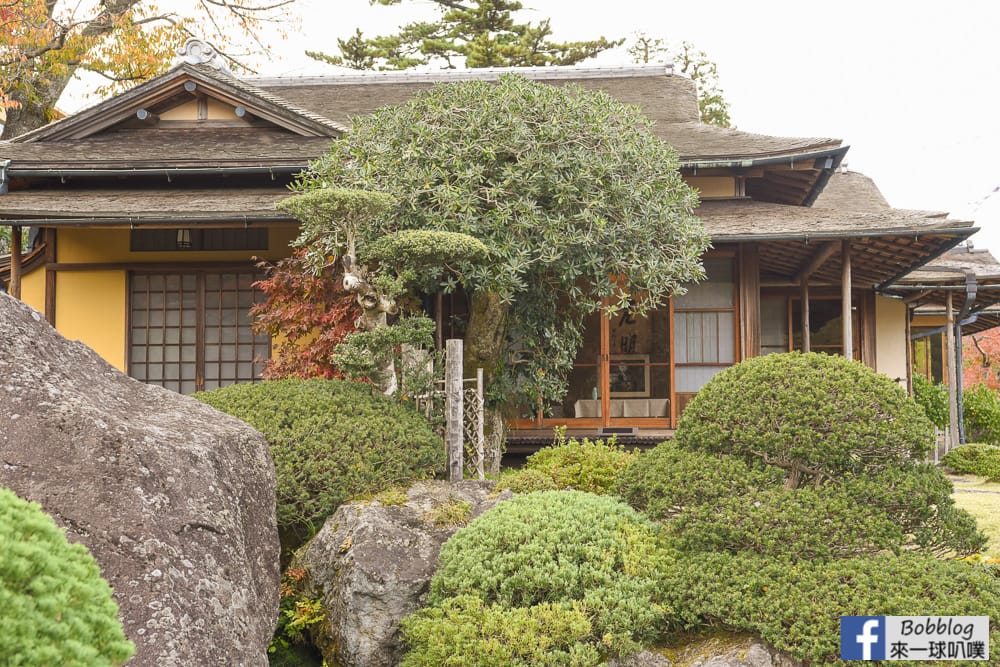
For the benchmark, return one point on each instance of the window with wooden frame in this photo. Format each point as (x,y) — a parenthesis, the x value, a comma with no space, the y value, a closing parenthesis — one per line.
(705,332)
(192,331)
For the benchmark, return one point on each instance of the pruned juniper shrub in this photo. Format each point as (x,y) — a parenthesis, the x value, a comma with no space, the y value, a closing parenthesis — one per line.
(796,606)
(975,459)
(464,631)
(55,608)
(667,480)
(583,465)
(331,440)
(564,548)
(816,416)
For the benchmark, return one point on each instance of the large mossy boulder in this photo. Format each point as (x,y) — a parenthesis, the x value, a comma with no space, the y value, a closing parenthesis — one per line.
(371,565)
(174,499)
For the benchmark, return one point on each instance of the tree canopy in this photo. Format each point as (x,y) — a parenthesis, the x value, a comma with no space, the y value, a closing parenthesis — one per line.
(43,43)
(578,203)
(695,63)
(475,33)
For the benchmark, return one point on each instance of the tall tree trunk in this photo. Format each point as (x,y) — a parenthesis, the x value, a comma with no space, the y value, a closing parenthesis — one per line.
(484,343)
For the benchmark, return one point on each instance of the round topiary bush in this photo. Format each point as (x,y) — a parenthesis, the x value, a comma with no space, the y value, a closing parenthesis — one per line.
(331,440)
(981,410)
(55,608)
(813,415)
(975,459)
(560,547)
(581,465)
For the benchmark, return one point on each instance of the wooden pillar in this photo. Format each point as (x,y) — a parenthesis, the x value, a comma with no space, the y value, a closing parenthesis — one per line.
(804,298)
(16,266)
(454,439)
(749,300)
(847,320)
(951,369)
(50,276)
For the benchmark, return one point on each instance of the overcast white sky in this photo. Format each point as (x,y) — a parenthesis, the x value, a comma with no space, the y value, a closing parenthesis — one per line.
(913,87)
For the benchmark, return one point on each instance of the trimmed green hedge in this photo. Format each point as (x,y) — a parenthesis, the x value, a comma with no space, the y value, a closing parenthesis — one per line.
(814,415)
(975,459)
(331,440)
(55,608)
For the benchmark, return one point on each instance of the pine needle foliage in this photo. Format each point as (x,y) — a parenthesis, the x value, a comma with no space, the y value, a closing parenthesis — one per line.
(55,608)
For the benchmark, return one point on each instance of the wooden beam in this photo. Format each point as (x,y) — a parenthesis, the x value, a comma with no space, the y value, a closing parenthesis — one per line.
(50,276)
(804,298)
(16,262)
(845,288)
(819,258)
(917,297)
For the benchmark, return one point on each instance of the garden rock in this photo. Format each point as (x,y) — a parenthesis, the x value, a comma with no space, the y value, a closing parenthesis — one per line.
(174,499)
(717,650)
(371,564)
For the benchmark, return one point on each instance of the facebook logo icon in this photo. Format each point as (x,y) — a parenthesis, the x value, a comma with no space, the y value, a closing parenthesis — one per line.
(862,637)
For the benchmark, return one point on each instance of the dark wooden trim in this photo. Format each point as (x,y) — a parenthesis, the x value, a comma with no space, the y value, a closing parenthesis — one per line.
(128,323)
(16,263)
(199,336)
(51,240)
(152,267)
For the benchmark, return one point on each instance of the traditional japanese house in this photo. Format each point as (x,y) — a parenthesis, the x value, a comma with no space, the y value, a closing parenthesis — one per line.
(147,208)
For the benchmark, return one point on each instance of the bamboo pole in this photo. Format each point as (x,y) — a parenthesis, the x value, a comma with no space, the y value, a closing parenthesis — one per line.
(804,298)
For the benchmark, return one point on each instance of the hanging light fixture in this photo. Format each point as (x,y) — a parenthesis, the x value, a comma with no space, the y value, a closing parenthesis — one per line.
(183,238)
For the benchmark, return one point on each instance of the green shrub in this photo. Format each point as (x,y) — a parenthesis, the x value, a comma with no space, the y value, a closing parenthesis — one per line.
(814,415)
(560,547)
(975,459)
(981,411)
(796,606)
(581,465)
(331,440)
(465,632)
(666,480)
(933,398)
(55,608)
(526,480)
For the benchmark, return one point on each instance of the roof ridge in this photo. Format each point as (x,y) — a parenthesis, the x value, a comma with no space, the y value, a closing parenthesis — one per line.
(473,74)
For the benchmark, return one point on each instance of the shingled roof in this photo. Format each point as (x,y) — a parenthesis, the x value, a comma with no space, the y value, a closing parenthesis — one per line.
(669,100)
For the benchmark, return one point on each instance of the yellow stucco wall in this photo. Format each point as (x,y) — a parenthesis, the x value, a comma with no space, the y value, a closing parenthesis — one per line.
(890,337)
(33,289)
(91,305)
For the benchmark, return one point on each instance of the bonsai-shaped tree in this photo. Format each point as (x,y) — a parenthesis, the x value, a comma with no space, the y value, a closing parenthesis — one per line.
(343,224)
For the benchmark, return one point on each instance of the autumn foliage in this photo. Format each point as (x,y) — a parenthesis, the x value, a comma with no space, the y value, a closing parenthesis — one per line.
(981,359)
(306,315)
